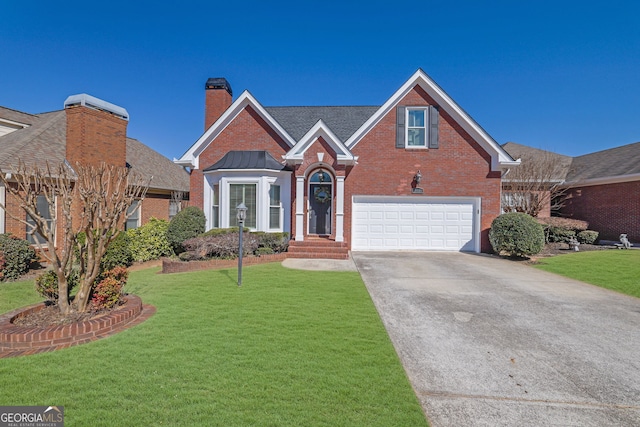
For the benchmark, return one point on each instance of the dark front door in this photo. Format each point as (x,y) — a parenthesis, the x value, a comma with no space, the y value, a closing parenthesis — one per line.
(320,202)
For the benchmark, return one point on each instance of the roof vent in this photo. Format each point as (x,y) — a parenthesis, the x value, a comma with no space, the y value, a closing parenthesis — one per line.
(97,104)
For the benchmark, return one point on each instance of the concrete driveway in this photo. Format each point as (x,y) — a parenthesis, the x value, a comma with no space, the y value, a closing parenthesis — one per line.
(490,342)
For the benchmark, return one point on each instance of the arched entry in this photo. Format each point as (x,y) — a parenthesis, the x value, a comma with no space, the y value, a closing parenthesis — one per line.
(320,202)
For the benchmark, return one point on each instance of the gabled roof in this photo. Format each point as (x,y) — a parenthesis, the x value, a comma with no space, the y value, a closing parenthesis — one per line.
(320,130)
(45,141)
(499,157)
(346,125)
(191,157)
(247,160)
(614,162)
(343,121)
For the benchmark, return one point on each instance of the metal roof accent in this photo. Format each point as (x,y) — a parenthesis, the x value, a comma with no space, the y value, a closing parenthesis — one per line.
(247,160)
(97,104)
(218,83)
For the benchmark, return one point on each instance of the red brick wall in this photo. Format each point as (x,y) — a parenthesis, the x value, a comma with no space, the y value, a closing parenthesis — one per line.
(95,136)
(155,206)
(610,209)
(216,101)
(459,167)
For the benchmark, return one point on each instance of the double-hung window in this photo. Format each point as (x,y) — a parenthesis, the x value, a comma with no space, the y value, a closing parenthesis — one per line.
(133,216)
(242,193)
(417,119)
(45,211)
(274,207)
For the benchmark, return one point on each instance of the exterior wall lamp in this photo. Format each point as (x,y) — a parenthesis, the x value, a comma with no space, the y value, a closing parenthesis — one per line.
(416,182)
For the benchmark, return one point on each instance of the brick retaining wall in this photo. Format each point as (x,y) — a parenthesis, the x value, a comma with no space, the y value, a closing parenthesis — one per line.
(172,266)
(22,340)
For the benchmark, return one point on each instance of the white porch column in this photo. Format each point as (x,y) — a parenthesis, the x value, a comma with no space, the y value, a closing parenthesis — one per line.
(339,208)
(299,208)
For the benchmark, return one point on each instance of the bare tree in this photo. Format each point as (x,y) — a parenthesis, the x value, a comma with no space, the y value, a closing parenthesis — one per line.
(91,199)
(536,183)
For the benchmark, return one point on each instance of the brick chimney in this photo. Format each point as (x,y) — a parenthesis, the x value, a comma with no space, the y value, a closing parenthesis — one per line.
(96,131)
(217,98)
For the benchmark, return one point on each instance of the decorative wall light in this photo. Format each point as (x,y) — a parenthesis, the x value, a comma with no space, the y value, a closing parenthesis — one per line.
(416,182)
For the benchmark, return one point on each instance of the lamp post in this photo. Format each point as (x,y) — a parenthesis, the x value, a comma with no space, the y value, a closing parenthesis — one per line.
(241,215)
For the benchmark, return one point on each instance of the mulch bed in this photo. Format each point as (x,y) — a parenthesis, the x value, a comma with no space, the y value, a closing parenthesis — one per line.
(50,315)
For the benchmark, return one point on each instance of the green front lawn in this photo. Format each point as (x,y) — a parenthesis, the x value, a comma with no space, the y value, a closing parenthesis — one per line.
(288,348)
(618,270)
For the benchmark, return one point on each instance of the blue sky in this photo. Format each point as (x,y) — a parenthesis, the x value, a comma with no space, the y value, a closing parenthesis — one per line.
(558,75)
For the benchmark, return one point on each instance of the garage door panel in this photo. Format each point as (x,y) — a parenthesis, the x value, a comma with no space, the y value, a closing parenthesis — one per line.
(410,225)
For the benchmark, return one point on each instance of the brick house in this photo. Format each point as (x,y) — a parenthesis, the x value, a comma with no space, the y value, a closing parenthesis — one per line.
(603,188)
(416,173)
(87,131)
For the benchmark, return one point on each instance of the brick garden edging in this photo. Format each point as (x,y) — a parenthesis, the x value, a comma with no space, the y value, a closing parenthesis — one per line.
(172,266)
(23,340)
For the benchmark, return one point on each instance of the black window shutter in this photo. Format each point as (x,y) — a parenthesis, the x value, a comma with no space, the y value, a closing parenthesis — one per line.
(434,118)
(400,114)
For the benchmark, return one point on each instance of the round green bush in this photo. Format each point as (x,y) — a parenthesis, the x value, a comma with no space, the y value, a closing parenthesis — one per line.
(46,284)
(516,234)
(17,256)
(588,237)
(150,241)
(118,253)
(188,223)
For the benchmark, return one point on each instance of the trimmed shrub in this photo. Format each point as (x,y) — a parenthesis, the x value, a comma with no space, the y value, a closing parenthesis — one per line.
(118,253)
(277,242)
(220,231)
(223,246)
(18,256)
(560,234)
(188,223)
(568,223)
(150,241)
(588,237)
(46,284)
(516,234)
(108,292)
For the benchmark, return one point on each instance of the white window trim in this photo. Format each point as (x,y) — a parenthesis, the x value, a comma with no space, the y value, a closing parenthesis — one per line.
(263,181)
(424,109)
(280,209)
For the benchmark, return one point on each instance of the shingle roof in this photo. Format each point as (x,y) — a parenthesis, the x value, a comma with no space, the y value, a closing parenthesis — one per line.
(45,141)
(165,174)
(16,116)
(613,162)
(256,159)
(527,153)
(343,121)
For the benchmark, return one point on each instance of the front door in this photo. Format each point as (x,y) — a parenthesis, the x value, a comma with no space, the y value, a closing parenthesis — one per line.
(320,203)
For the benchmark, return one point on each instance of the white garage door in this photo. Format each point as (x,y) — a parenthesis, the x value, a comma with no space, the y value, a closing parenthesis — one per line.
(385,223)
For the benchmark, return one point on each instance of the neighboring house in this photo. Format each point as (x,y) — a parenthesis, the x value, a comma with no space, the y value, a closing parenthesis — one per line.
(416,173)
(535,185)
(87,131)
(602,188)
